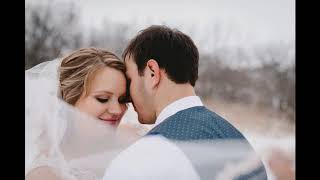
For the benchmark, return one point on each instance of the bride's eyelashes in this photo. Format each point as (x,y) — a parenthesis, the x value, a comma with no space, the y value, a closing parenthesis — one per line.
(102,100)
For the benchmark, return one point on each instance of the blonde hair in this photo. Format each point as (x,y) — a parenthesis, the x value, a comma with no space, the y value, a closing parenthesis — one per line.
(79,67)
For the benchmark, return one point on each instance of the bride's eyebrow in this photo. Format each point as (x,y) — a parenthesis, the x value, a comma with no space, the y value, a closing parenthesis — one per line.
(104,92)
(109,93)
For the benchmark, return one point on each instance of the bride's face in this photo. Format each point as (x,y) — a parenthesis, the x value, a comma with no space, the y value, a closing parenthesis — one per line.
(104,90)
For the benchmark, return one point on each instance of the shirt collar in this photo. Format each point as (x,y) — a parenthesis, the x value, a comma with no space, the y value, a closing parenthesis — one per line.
(178,105)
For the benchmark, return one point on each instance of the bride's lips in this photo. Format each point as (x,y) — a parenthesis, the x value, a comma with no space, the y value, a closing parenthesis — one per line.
(112,121)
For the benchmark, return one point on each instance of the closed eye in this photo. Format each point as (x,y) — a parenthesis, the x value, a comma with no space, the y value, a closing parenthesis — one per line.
(124,99)
(102,100)
(128,83)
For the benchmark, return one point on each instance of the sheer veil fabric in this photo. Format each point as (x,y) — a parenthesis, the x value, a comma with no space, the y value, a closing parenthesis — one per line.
(72,144)
(77,147)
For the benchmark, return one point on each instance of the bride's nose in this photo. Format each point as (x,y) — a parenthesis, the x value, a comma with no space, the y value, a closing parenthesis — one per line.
(115,108)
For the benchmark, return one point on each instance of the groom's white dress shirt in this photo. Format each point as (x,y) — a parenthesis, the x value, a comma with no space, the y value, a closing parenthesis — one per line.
(155,157)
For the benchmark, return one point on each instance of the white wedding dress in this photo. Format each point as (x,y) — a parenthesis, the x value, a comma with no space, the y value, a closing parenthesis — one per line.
(72,144)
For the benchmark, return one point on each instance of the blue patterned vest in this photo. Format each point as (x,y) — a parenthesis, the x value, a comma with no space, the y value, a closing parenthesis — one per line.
(199,123)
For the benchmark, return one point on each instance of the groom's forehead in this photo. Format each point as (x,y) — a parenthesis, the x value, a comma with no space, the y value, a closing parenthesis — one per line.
(128,57)
(130,63)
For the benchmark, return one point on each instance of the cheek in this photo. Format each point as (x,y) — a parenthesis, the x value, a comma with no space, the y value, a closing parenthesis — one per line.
(136,90)
(98,109)
(132,90)
(91,107)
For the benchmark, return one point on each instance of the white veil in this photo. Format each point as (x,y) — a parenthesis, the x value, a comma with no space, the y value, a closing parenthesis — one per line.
(58,136)
(79,147)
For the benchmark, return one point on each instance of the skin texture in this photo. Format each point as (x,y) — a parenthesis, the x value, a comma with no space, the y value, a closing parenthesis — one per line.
(280,165)
(106,87)
(140,92)
(41,172)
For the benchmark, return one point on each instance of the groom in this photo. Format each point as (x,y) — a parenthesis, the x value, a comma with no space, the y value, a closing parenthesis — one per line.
(162,67)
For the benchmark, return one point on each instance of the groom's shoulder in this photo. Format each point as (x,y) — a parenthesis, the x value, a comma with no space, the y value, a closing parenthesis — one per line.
(199,112)
(203,117)
(196,123)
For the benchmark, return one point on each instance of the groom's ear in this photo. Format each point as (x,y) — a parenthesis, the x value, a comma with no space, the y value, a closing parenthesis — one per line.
(153,72)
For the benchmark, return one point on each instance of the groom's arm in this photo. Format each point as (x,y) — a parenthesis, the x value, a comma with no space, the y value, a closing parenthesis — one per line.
(151,157)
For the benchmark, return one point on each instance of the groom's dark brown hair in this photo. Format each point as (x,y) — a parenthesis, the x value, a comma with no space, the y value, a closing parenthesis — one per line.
(174,51)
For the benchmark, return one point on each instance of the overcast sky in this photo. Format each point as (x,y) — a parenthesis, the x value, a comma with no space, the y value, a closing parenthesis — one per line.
(250,21)
(263,19)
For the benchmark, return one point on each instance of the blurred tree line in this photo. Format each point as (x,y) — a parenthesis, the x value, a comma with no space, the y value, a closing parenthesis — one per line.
(48,36)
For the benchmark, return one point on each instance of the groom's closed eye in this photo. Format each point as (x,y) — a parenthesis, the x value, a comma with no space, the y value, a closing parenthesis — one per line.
(124,99)
(128,87)
(128,82)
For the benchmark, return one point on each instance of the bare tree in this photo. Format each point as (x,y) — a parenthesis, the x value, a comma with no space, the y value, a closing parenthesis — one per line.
(112,36)
(46,34)
(271,84)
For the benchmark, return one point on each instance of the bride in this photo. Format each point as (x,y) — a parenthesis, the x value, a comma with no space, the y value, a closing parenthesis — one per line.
(74,109)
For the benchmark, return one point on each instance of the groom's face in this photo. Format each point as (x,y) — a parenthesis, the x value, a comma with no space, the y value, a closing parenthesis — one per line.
(140,93)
